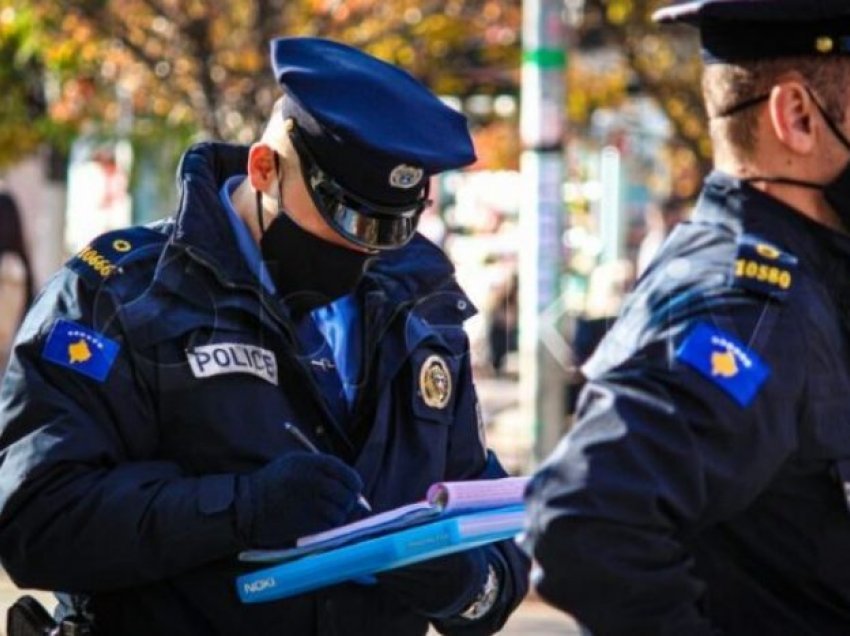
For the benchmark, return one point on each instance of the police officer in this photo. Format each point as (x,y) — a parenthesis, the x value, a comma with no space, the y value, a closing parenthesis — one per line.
(144,416)
(704,487)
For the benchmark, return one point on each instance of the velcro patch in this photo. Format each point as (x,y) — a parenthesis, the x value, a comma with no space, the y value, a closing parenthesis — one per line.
(725,361)
(233,357)
(763,268)
(81,349)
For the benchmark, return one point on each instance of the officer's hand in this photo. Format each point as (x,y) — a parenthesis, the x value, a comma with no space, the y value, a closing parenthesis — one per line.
(439,588)
(296,494)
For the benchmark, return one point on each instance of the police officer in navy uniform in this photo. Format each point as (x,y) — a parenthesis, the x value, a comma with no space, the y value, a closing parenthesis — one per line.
(147,415)
(704,488)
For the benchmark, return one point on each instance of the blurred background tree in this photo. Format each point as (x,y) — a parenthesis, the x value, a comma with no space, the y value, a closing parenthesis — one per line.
(164,68)
(203,65)
(661,62)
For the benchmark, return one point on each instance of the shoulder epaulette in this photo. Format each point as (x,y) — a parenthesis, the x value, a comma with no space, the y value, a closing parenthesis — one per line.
(108,253)
(763,268)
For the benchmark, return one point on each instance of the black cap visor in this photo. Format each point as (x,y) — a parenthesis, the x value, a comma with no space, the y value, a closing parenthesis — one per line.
(369,225)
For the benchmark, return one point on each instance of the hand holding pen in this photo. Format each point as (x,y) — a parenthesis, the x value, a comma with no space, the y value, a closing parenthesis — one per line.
(310,446)
(294,495)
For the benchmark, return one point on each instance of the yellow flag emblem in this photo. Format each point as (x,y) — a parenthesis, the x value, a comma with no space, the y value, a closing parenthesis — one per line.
(723,364)
(79,352)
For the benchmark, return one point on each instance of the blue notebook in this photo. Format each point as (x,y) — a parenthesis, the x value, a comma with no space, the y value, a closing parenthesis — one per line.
(443,499)
(411,545)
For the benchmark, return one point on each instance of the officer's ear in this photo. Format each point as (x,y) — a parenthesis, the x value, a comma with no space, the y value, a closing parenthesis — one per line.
(792,115)
(262,172)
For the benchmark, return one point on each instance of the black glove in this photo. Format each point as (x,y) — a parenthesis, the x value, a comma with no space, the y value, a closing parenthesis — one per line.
(442,587)
(297,494)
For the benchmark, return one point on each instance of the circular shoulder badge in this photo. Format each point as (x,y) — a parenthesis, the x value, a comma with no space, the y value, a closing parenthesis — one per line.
(435,382)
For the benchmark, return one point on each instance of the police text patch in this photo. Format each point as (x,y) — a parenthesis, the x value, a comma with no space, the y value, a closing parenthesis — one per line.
(79,348)
(233,357)
(725,361)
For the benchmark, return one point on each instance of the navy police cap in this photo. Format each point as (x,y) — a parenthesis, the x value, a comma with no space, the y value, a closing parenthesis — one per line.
(368,124)
(736,30)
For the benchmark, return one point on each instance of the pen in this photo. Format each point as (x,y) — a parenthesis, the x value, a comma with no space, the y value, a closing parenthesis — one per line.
(306,443)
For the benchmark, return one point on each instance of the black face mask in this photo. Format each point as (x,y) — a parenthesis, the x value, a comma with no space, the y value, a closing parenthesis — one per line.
(837,191)
(308,271)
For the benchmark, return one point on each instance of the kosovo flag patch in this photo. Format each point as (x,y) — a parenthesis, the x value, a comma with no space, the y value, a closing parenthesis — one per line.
(81,349)
(725,361)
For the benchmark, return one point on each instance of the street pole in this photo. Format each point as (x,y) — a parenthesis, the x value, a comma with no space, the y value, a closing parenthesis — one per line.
(542,372)
(611,225)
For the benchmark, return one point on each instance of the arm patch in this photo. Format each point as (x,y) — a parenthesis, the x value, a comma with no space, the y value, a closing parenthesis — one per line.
(80,349)
(724,361)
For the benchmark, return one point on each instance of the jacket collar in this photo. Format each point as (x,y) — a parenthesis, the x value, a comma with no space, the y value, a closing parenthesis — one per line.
(416,272)
(409,274)
(201,224)
(744,209)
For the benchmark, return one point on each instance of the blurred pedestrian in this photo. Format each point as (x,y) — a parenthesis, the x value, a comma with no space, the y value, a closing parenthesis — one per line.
(661,218)
(704,487)
(503,322)
(16,280)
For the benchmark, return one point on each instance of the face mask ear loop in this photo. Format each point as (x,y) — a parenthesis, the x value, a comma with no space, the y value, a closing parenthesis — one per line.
(259,198)
(797,182)
(279,182)
(737,108)
(832,125)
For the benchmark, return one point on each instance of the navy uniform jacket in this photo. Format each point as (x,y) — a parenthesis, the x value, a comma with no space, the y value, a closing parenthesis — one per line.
(120,447)
(704,485)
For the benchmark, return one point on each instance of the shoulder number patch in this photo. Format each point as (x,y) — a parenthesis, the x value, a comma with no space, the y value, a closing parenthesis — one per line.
(725,361)
(763,268)
(104,256)
(81,349)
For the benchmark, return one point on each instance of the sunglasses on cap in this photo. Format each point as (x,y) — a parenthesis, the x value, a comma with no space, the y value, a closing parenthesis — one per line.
(369,225)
